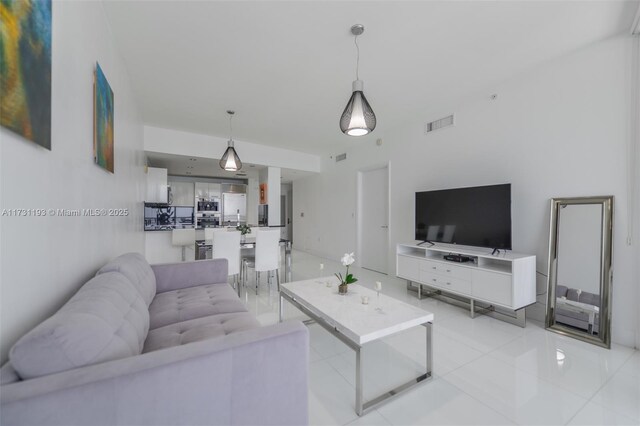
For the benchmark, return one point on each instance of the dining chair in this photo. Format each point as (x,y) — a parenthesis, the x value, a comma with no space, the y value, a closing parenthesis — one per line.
(183,238)
(226,245)
(267,256)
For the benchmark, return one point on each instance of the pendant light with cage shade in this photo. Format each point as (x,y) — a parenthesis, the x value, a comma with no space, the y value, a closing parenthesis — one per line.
(358,119)
(230,160)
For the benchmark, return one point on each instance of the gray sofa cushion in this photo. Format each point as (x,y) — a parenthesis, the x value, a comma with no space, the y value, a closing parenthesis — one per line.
(176,306)
(583,297)
(199,329)
(561,291)
(136,268)
(106,319)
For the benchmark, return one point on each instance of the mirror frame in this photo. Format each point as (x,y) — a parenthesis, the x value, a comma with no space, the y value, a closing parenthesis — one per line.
(604,336)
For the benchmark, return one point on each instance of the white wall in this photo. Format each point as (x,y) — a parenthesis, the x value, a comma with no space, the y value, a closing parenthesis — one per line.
(44,260)
(559,130)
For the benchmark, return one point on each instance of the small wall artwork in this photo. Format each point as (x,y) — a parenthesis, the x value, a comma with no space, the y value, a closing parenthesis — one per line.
(263,193)
(25,69)
(103,119)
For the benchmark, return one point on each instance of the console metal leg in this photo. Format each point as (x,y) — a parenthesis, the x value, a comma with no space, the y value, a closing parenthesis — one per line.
(281,309)
(429,327)
(472,307)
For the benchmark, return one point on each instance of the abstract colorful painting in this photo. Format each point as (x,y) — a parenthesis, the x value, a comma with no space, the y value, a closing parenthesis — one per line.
(25,69)
(103,121)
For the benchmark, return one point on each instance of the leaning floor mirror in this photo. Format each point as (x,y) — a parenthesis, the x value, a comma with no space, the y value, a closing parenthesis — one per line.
(579,278)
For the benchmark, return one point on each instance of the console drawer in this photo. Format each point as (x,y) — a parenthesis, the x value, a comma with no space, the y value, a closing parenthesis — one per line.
(492,286)
(408,267)
(445,283)
(446,269)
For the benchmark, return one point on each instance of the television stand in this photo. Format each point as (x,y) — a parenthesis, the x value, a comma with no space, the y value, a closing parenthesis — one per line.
(498,286)
(431,243)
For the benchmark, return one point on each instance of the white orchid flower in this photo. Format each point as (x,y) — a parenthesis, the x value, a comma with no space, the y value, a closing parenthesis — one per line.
(347,259)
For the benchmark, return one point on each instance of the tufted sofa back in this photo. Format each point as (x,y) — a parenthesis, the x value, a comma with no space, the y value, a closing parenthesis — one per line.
(106,319)
(137,270)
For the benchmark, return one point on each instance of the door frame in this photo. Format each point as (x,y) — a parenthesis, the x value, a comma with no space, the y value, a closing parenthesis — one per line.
(359,209)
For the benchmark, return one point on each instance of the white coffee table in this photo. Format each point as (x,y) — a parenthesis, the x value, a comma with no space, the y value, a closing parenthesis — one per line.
(356,324)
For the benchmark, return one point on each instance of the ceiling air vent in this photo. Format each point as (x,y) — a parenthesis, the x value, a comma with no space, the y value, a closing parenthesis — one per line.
(439,124)
(341,157)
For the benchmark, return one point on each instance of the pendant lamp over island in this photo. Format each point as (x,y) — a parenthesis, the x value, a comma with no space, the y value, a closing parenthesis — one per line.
(358,119)
(230,160)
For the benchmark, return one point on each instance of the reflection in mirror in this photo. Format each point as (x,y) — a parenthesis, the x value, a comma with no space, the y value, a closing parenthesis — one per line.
(579,268)
(578,284)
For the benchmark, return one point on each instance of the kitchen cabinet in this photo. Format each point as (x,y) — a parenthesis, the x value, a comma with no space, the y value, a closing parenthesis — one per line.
(207,191)
(156,185)
(182,193)
(202,191)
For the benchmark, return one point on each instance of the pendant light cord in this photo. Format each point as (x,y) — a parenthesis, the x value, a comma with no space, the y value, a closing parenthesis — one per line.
(355,40)
(230,127)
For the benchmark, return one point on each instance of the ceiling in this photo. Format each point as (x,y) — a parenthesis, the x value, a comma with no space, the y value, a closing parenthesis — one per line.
(286,67)
(183,165)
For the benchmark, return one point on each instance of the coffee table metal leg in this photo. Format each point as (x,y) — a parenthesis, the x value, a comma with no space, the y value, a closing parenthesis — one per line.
(281,309)
(287,262)
(359,399)
(361,405)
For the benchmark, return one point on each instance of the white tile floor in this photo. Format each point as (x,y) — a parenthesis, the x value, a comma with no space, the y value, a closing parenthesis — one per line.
(486,372)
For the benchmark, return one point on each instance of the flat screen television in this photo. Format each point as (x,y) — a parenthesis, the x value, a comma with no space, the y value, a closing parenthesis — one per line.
(478,216)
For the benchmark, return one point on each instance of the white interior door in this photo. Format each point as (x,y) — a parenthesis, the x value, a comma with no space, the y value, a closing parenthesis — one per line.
(373,215)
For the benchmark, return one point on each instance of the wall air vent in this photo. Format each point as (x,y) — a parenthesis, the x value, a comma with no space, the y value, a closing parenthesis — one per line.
(341,157)
(439,124)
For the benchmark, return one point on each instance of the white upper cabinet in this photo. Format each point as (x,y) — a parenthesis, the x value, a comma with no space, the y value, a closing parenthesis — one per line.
(156,185)
(182,193)
(207,191)
(202,191)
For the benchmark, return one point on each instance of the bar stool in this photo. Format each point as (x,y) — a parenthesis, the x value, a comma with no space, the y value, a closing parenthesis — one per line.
(208,239)
(267,257)
(183,238)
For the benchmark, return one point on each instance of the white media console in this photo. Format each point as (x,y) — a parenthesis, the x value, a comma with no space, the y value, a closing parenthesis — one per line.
(506,280)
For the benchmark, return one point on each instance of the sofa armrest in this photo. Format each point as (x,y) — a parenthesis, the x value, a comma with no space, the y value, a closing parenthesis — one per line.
(174,276)
(254,377)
